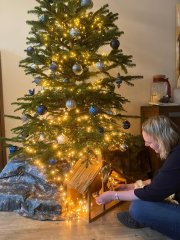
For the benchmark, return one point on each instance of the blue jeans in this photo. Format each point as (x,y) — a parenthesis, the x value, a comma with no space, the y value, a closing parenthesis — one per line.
(161,216)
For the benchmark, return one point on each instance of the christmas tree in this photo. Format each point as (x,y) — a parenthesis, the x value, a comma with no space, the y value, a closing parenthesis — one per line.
(76,109)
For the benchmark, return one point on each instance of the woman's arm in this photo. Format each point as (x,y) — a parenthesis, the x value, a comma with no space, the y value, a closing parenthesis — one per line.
(125,193)
(116,195)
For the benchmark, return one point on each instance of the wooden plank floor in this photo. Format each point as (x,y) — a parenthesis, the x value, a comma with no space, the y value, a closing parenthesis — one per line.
(13,226)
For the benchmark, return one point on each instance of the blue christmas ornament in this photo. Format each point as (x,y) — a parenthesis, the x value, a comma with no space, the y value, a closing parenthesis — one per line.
(30,50)
(126,124)
(86,3)
(100,129)
(93,110)
(115,43)
(31,92)
(70,104)
(53,66)
(77,69)
(37,80)
(52,161)
(41,109)
(13,149)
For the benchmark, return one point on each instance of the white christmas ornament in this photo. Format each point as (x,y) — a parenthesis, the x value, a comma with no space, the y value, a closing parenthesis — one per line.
(61,139)
(70,104)
(74,32)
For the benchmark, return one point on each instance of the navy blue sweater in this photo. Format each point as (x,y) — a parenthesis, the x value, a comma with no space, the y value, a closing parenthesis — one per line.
(166,182)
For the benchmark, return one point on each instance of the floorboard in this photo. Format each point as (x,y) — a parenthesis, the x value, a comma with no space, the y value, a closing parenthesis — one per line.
(13,226)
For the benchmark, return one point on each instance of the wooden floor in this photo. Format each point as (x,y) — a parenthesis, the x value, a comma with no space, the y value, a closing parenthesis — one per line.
(13,226)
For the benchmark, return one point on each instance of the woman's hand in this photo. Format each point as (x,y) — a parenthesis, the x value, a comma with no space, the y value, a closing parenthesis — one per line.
(105,197)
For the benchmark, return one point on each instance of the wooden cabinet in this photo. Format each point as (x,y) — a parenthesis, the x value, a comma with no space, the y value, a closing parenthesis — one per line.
(173,112)
(3,158)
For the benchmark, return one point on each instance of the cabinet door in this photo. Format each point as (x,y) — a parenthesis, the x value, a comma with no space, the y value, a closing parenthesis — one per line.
(3,158)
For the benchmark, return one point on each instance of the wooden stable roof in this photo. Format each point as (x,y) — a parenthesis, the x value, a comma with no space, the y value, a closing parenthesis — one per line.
(81,176)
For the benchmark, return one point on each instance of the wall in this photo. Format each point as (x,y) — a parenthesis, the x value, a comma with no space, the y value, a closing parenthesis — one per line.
(149,35)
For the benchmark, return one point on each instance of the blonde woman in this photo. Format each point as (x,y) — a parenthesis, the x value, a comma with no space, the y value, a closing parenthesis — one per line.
(149,207)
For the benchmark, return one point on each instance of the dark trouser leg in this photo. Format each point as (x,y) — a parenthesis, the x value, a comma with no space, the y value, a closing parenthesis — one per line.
(160,216)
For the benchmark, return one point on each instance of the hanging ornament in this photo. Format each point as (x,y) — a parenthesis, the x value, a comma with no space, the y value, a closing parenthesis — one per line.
(61,139)
(65,166)
(42,18)
(53,66)
(109,112)
(118,80)
(100,66)
(37,80)
(125,147)
(77,69)
(74,32)
(70,104)
(41,137)
(31,92)
(30,50)
(100,129)
(93,110)
(24,118)
(52,161)
(87,3)
(34,66)
(126,124)
(66,80)
(41,109)
(13,149)
(115,43)
(24,134)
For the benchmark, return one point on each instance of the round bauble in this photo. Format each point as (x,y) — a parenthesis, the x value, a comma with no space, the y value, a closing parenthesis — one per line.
(115,43)
(37,80)
(13,149)
(74,32)
(41,137)
(65,166)
(70,104)
(24,118)
(53,66)
(41,109)
(34,66)
(126,124)
(77,69)
(30,50)
(100,129)
(42,18)
(93,110)
(52,161)
(87,3)
(31,92)
(100,66)
(61,139)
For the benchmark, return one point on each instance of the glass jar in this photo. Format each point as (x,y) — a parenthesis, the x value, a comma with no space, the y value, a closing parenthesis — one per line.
(159,88)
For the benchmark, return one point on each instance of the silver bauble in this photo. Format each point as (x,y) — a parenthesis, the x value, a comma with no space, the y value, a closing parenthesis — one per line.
(100,66)
(77,69)
(87,3)
(70,104)
(74,32)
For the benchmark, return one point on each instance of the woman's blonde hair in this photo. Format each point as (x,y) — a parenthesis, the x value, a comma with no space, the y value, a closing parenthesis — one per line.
(164,131)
